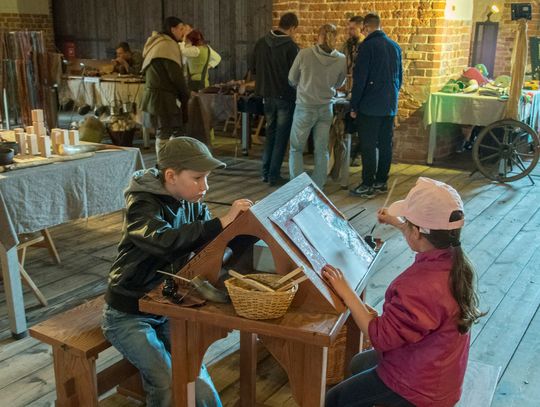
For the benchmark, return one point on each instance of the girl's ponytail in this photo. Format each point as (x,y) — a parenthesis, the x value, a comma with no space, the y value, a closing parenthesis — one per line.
(462,276)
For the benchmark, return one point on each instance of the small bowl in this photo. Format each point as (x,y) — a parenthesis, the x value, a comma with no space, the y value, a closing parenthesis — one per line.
(10,144)
(6,155)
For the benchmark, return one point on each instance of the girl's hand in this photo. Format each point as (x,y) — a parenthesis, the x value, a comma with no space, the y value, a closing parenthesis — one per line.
(337,281)
(385,218)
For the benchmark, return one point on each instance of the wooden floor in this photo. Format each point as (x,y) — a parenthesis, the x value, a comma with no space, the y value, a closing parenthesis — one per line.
(502,236)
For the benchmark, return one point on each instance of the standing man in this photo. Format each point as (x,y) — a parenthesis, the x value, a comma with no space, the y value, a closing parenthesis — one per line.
(316,73)
(377,78)
(166,95)
(350,48)
(273,57)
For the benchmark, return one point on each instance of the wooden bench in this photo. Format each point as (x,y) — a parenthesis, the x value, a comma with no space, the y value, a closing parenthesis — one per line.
(76,339)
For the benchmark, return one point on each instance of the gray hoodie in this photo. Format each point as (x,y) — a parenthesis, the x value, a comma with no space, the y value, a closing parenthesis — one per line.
(148,180)
(316,75)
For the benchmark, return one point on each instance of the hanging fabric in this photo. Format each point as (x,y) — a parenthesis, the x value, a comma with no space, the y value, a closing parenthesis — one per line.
(519,60)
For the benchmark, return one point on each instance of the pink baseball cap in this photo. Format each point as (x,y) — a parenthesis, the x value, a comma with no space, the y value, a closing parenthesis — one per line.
(429,204)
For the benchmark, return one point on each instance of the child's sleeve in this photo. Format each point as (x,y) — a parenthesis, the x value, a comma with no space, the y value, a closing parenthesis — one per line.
(148,231)
(407,318)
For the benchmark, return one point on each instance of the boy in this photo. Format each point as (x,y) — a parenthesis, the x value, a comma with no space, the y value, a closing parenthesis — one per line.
(165,223)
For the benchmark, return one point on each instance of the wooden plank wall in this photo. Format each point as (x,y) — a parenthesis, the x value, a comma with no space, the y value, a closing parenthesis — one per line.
(231,27)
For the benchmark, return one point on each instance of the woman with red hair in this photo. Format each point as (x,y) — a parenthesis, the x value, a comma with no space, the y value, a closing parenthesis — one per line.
(200,57)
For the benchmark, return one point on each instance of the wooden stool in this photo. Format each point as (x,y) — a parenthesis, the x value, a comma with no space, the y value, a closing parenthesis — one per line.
(77,340)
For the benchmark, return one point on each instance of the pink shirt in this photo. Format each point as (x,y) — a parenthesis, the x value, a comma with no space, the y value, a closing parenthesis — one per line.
(422,355)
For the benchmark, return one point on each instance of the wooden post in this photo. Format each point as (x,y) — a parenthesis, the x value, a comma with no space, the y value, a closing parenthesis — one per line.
(248,369)
(76,379)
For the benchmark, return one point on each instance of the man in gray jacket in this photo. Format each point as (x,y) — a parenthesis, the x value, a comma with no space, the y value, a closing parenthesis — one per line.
(316,73)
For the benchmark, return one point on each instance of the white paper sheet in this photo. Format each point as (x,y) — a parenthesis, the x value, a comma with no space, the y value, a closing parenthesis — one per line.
(328,243)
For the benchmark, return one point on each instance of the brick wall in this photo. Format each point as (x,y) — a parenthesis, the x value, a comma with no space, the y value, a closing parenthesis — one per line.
(507,34)
(30,22)
(434,50)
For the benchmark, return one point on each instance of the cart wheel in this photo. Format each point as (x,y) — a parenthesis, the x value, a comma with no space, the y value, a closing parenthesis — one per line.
(506,150)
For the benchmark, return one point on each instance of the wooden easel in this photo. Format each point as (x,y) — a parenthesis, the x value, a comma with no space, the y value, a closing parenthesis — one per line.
(299,340)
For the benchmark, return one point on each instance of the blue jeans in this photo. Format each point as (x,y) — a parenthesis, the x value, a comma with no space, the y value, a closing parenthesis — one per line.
(144,341)
(278,114)
(364,388)
(306,118)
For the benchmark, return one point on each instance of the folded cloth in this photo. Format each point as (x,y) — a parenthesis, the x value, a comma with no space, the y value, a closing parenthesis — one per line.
(502,81)
(473,73)
(488,92)
(483,69)
(452,86)
(472,86)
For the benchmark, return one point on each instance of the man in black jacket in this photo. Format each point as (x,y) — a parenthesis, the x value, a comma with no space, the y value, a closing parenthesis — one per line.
(377,79)
(165,222)
(272,59)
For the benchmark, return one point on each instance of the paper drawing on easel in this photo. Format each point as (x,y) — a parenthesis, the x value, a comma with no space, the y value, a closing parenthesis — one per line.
(283,218)
(330,246)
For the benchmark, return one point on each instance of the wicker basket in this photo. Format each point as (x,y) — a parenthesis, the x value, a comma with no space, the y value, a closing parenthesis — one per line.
(253,304)
(335,366)
(122,138)
(336,356)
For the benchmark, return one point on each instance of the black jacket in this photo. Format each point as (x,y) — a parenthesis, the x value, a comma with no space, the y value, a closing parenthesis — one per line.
(273,57)
(160,231)
(377,76)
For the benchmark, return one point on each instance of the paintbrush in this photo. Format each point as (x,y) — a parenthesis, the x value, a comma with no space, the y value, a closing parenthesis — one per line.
(369,238)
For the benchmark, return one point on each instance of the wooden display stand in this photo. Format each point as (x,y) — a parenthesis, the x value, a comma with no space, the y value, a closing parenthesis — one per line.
(299,340)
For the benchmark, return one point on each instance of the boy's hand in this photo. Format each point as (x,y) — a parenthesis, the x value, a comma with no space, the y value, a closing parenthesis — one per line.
(337,281)
(238,206)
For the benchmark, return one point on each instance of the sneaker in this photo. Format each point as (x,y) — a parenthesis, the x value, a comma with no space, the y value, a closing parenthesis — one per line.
(363,191)
(264,178)
(278,181)
(380,187)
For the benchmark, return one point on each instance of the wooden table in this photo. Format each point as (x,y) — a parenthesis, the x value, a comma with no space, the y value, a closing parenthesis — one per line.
(459,108)
(301,338)
(36,198)
(299,341)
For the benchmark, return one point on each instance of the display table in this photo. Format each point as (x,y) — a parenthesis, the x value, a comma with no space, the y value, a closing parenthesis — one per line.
(36,198)
(459,108)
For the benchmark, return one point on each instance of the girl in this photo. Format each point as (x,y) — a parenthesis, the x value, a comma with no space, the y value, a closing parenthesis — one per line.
(421,340)
(200,57)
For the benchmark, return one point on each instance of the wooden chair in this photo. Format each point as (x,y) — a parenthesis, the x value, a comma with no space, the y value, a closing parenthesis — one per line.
(235,118)
(77,340)
(44,239)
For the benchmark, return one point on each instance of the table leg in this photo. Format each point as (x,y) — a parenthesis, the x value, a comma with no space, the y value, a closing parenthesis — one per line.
(146,137)
(248,369)
(432,142)
(183,386)
(246,133)
(189,342)
(306,367)
(14,292)
(346,163)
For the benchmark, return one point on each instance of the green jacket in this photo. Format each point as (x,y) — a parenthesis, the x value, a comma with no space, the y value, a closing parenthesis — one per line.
(164,79)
